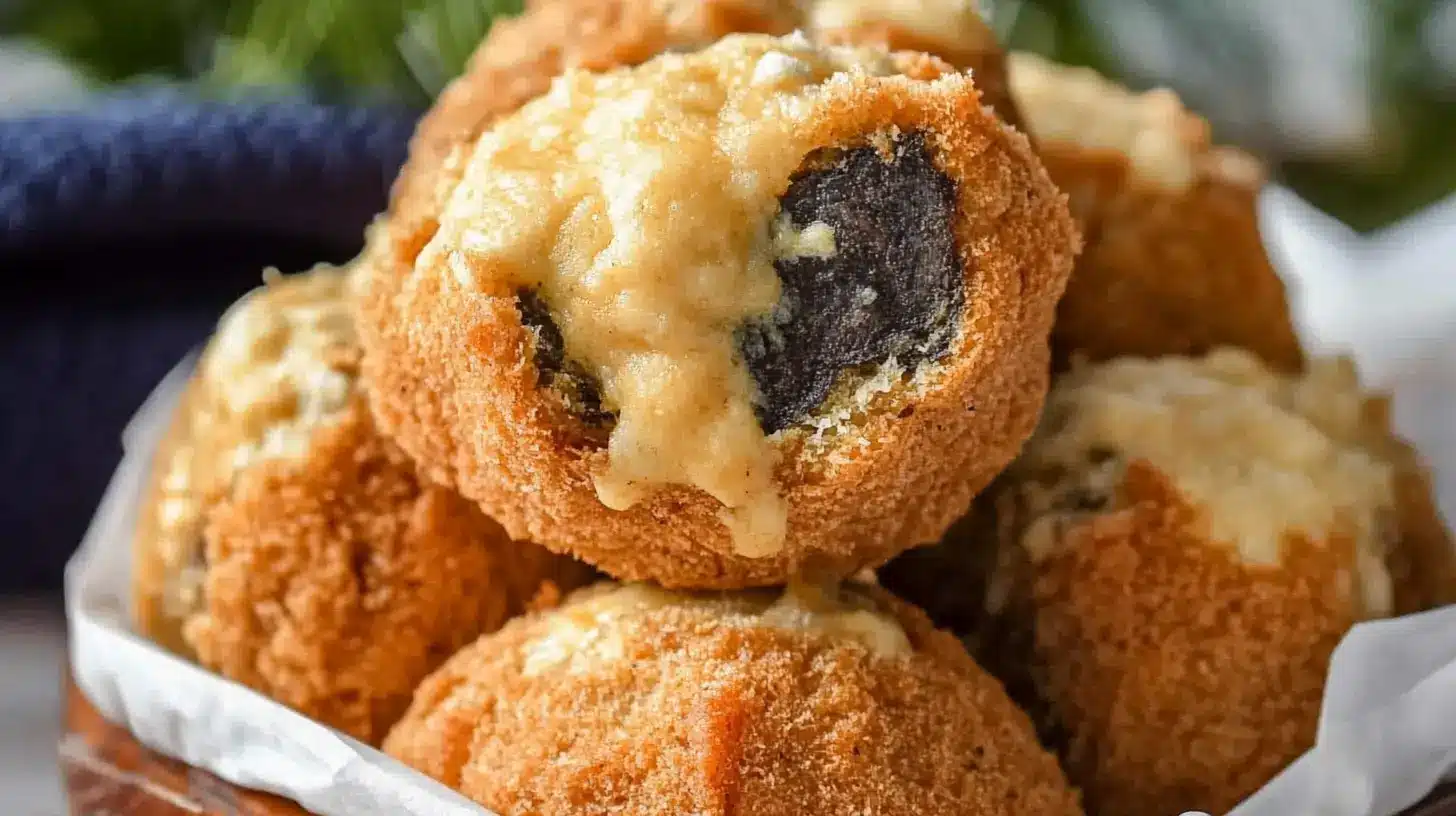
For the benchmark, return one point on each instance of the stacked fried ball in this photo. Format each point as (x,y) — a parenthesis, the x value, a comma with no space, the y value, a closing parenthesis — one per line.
(688,317)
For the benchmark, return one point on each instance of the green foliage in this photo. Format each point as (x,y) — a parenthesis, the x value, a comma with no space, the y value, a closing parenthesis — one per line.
(408,49)
(404,49)
(121,39)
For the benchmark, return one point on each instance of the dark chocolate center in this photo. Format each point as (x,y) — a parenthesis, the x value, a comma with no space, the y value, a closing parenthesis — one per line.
(581,391)
(893,287)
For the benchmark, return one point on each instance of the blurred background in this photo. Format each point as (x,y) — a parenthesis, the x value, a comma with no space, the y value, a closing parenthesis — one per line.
(1351,102)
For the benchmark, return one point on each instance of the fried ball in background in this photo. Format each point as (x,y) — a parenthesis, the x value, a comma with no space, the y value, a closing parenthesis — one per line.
(631,700)
(801,342)
(522,55)
(952,30)
(1174,262)
(288,546)
(1163,574)
(517,62)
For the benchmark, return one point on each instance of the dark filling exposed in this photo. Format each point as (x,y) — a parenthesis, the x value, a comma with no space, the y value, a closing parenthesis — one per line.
(894,286)
(581,391)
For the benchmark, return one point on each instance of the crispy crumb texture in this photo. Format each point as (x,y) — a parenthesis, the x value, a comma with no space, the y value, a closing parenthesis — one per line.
(282,363)
(1163,574)
(288,546)
(1267,457)
(715,707)
(1174,262)
(522,55)
(446,333)
(1170,675)
(334,586)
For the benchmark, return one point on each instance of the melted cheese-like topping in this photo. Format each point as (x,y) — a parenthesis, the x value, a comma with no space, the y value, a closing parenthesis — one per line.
(641,205)
(588,631)
(268,376)
(1265,455)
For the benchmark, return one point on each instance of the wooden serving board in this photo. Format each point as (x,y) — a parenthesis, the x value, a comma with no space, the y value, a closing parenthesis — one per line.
(106,771)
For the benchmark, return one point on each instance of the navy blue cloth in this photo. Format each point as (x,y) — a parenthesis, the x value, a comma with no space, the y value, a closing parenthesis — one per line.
(125,230)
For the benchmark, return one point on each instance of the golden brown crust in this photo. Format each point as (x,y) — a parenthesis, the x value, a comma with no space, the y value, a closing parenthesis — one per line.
(453,383)
(1422,561)
(335,583)
(519,58)
(983,57)
(1166,271)
(1174,262)
(1177,667)
(285,544)
(699,717)
(522,55)
(152,613)
(1171,675)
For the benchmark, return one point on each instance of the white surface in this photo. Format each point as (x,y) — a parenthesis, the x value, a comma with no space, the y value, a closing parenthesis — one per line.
(181,710)
(32,646)
(1386,732)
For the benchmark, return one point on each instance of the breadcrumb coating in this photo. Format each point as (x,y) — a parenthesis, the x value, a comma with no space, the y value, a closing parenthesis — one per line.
(522,55)
(282,362)
(288,546)
(1174,262)
(1171,675)
(703,706)
(453,383)
(1264,454)
(952,30)
(1163,574)
(335,584)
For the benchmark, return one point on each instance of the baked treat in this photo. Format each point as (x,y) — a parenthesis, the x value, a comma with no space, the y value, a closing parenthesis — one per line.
(953,30)
(729,316)
(1174,263)
(1163,574)
(635,701)
(522,55)
(288,546)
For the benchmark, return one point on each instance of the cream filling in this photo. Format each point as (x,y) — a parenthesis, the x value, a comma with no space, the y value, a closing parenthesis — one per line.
(1266,456)
(642,205)
(265,381)
(588,632)
(1062,103)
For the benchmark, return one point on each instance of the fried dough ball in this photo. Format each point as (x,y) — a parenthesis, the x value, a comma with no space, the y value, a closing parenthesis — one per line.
(1163,574)
(289,547)
(633,701)
(522,55)
(1174,262)
(730,316)
(952,30)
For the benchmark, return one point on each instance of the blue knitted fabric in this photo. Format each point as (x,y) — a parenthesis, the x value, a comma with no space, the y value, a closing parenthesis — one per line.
(125,230)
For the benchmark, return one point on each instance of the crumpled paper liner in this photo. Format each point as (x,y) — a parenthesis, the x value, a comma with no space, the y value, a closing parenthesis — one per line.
(1387,732)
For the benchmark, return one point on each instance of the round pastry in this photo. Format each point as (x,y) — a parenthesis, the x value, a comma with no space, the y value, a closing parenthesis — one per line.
(729,316)
(522,55)
(287,546)
(953,30)
(1175,556)
(632,701)
(1174,263)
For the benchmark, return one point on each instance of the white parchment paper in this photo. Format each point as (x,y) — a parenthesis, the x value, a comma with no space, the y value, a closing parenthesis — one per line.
(1387,732)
